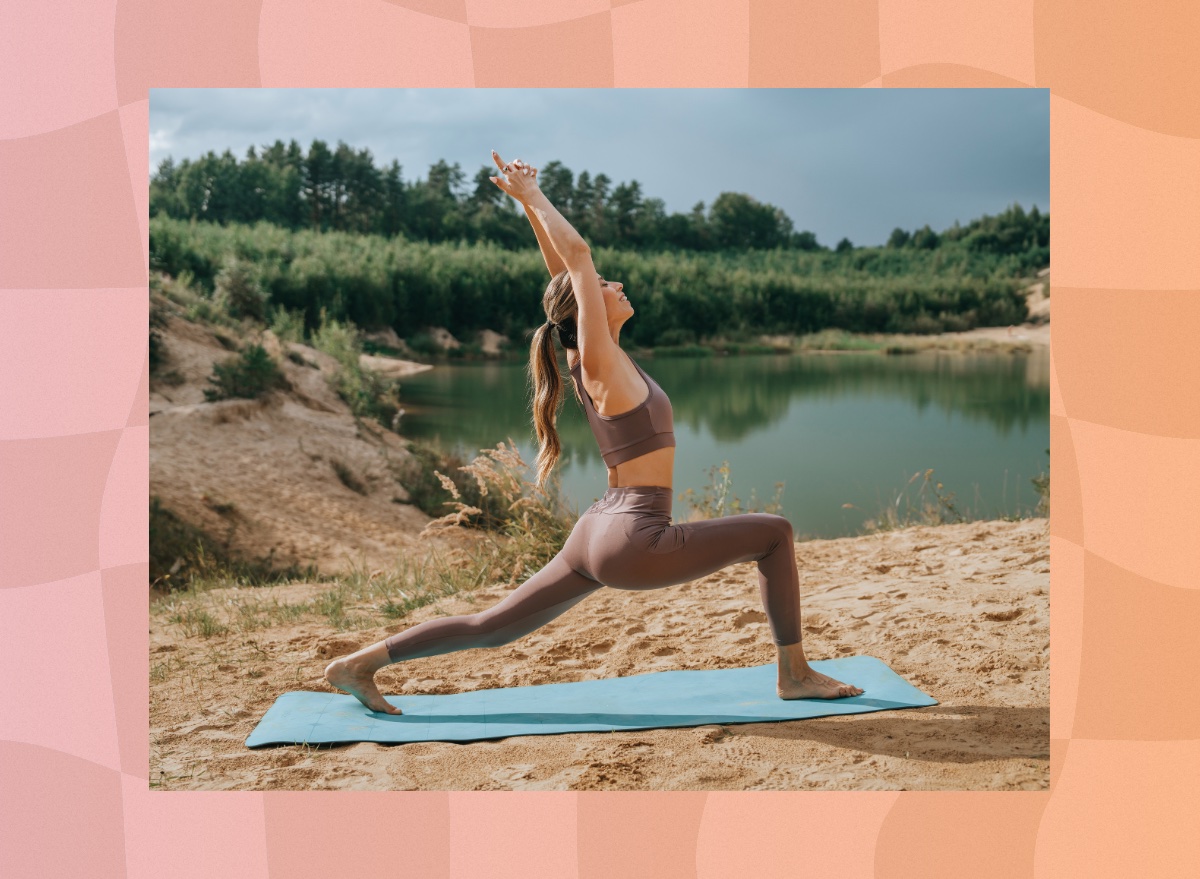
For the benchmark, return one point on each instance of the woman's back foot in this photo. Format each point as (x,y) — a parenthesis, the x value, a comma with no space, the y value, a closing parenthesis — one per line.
(811,684)
(358,679)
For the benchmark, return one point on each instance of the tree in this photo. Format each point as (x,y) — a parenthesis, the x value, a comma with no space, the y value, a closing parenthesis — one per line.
(740,221)
(624,207)
(844,245)
(557,182)
(805,241)
(318,180)
(899,238)
(925,238)
(394,209)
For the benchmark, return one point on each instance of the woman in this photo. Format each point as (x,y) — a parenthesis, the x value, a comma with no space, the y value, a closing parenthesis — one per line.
(624,540)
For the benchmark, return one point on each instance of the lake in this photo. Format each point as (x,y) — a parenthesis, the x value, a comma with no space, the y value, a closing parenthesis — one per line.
(836,429)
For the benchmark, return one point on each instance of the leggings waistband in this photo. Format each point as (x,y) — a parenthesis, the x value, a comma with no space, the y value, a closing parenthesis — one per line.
(635,499)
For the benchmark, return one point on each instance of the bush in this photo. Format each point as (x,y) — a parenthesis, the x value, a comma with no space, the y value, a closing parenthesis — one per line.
(424,343)
(288,326)
(239,293)
(248,376)
(366,392)
(677,337)
(425,491)
(158,323)
(524,524)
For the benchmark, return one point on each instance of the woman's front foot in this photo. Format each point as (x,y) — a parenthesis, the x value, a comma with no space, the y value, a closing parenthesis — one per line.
(356,675)
(811,684)
(799,680)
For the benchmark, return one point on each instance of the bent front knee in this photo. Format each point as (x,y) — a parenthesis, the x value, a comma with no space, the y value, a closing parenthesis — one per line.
(782,526)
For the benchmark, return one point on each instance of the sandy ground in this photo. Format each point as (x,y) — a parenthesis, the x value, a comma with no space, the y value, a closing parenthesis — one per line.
(263,475)
(1031,334)
(961,611)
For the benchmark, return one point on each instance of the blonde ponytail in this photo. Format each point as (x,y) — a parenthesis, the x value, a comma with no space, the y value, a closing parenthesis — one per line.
(547,398)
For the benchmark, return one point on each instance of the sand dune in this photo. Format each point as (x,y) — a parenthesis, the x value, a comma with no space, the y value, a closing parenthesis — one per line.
(961,611)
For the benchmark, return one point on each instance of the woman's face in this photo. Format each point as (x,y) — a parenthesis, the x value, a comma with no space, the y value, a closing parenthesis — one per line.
(616,305)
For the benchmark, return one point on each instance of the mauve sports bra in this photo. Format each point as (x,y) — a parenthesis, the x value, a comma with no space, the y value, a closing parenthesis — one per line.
(648,426)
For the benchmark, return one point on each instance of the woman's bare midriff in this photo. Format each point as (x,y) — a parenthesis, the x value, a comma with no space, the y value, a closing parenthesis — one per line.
(652,468)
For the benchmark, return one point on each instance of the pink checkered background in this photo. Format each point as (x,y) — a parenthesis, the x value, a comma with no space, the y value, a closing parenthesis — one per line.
(1125,436)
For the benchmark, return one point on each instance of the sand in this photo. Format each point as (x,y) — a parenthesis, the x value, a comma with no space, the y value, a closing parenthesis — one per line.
(961,611)
(293,475)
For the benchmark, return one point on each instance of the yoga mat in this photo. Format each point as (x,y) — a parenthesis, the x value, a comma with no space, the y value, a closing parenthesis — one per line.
(644,701)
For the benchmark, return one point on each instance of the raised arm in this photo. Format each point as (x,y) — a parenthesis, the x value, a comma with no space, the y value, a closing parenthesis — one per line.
(596,346)
(554,262)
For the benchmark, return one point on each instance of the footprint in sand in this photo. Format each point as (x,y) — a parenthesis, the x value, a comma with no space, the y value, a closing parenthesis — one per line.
(722,613)
(331,648)
(513,773)
(749,616)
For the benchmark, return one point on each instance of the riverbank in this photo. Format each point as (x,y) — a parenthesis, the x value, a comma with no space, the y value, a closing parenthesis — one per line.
(1018,339)
(961,611)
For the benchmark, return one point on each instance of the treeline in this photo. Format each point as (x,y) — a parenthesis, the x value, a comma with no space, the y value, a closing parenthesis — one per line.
(679,297)
(341,190)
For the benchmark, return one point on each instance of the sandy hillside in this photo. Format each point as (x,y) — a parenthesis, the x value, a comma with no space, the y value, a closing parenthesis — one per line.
(265,472)
(961,611)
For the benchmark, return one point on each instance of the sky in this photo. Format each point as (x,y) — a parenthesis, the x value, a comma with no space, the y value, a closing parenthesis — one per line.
(853,163)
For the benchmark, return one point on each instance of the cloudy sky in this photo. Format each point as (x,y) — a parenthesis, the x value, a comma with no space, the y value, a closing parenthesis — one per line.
(852,163)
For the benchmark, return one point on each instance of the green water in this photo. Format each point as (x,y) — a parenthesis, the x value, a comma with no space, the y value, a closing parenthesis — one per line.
(835,428)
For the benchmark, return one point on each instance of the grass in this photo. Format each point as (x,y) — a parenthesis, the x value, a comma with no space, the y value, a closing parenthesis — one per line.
(924,500)
(836,340)
(717,498)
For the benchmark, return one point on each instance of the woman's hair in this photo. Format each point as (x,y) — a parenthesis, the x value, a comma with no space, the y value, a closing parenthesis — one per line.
(561,310)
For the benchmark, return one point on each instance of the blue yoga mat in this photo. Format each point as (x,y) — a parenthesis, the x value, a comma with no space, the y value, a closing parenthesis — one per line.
(645,701)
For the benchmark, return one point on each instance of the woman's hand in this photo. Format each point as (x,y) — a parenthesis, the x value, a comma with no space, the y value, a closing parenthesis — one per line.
(516,178)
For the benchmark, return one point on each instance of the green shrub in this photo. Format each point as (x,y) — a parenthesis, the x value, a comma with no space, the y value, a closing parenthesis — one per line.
(425,491)
(677,337)
(238,291)
(424,343)
(366,392)
(249,375)
(288,326)
(158,323)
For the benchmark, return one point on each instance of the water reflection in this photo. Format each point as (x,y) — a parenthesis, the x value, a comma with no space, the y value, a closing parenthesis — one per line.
(837,429)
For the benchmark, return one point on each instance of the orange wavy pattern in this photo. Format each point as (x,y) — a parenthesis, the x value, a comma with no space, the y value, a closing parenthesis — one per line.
(1125,426)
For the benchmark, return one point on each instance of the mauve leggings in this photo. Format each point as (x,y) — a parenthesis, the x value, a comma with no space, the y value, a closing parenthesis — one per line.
(625,541)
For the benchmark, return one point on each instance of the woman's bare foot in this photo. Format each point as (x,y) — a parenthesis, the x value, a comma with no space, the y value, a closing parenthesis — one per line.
(814,685)
(356,675)
(799,680)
